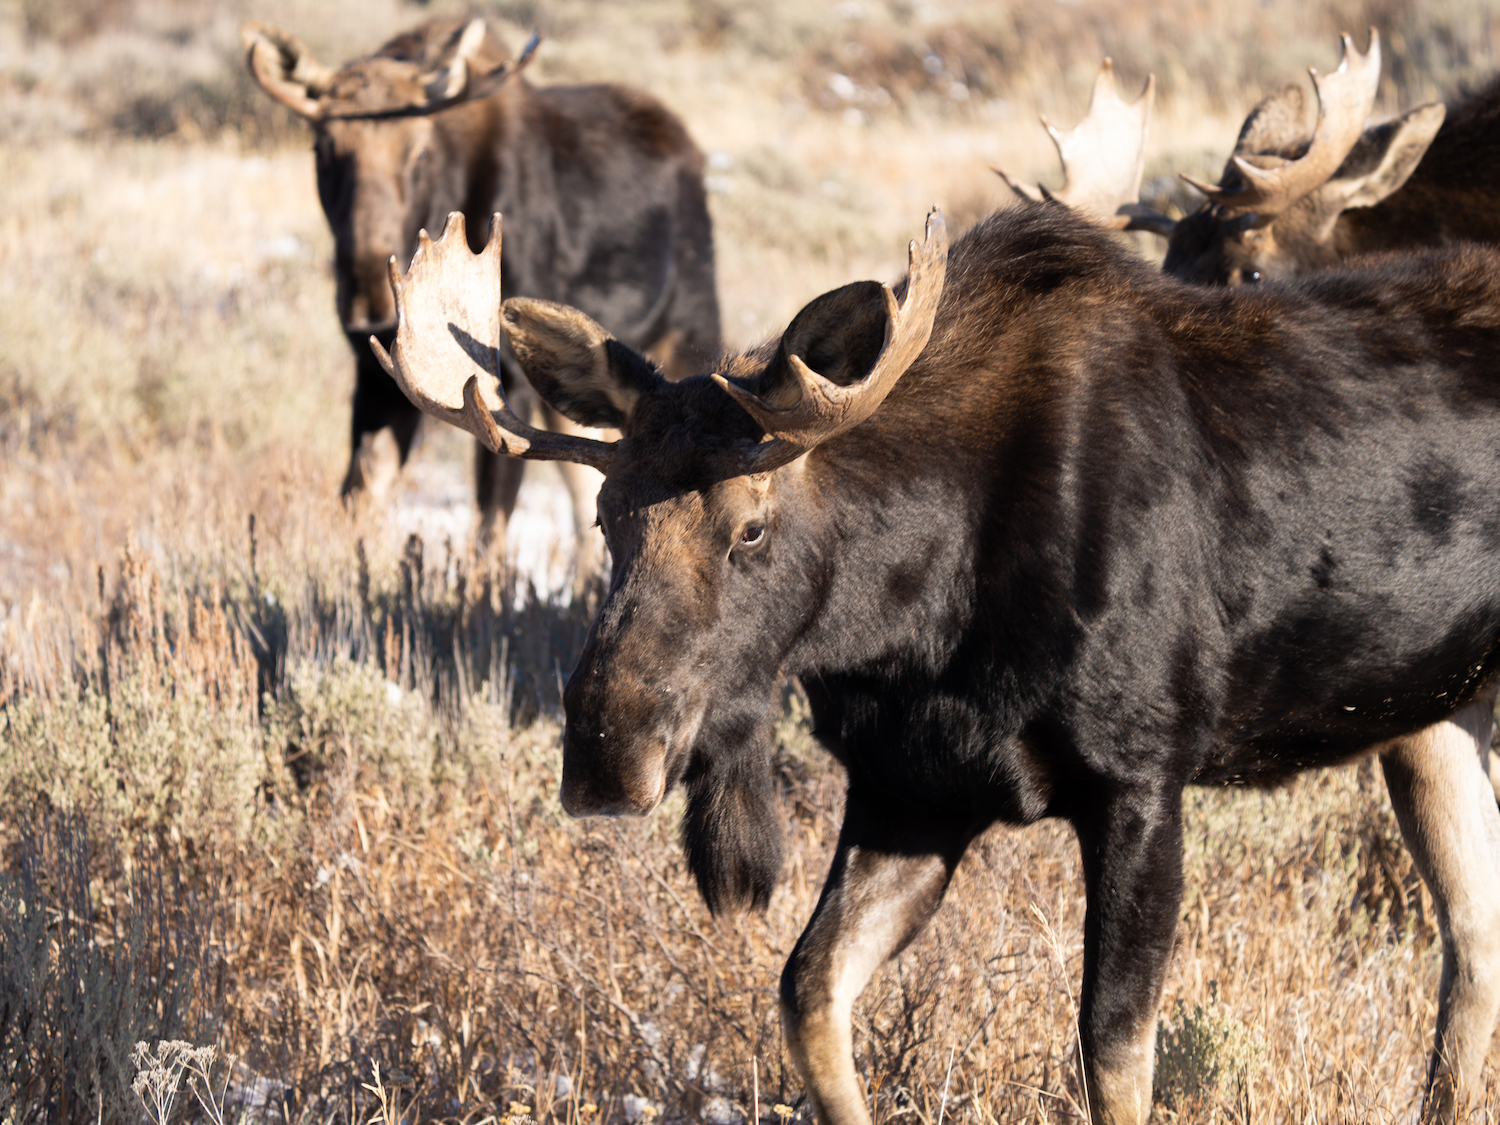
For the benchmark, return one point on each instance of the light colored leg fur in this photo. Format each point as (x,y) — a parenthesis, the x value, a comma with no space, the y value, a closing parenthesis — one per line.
(1120,1086)
(376,465)
(582,484)
(499,482)
(1439,785)
(870,910)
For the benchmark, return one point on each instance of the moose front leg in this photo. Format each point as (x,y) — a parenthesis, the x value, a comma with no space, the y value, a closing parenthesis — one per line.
(888,876)
(1132,859)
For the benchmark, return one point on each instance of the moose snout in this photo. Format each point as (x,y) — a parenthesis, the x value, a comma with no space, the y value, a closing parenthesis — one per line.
(592,785)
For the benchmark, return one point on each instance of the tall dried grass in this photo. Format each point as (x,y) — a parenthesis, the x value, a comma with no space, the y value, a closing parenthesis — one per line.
(332,750)
(395,886)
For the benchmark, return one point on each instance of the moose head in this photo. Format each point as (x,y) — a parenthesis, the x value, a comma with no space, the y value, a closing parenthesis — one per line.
(384,159)
(718,507)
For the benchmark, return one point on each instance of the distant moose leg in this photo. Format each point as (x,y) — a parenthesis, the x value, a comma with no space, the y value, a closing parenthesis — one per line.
(888,876)
(582,484)
(384,423)
(497,477)
(1438,785)
(1131,841)
(497,482)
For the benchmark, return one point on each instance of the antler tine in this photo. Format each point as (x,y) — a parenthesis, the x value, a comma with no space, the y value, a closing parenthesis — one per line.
(824,409)
(1345,100)
(468,88)
(446,357)
(1103,158)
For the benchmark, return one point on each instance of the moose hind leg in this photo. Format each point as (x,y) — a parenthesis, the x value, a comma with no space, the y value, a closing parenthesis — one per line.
(887,878)
(497,482)
(1439,786)
(497,477)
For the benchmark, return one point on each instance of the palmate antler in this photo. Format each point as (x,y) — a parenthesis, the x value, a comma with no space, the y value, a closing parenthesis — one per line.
(454,83)
(1103,158)
(446,356)
(825,409)
(1345,99)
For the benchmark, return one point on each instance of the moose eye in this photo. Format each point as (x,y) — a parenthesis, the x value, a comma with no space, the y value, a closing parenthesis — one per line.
(752,535)
(1253,277)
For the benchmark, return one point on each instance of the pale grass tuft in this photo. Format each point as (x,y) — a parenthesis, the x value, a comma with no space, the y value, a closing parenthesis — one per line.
(1206,1056)
(159,1075)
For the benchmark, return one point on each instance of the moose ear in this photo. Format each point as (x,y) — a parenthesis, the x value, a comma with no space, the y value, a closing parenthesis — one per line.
(838,335)
(284,67)
(575,365)
(1384,157)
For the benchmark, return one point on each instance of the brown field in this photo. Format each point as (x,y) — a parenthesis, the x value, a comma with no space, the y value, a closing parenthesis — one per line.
(282,782)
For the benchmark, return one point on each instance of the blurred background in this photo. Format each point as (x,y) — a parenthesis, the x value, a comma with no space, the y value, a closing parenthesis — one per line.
(166,282)
(300,766)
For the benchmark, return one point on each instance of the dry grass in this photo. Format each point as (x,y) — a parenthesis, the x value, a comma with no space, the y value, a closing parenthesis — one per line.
(333,750)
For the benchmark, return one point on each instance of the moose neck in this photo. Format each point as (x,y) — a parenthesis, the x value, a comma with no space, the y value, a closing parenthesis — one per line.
(940,577)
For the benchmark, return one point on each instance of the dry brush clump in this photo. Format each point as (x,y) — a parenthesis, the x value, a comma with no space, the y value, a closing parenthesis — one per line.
(97,949)
(343,795)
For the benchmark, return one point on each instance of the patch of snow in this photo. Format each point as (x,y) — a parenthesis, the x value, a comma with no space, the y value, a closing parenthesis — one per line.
(435,500)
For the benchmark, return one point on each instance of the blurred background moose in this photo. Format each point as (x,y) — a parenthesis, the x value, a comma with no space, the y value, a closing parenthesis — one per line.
(602,185)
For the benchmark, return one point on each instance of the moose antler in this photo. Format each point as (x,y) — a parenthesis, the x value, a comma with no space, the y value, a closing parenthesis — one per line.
(1103,158)
(457,83)
(449,85)
(824,409)
(446,357)
(1345,99)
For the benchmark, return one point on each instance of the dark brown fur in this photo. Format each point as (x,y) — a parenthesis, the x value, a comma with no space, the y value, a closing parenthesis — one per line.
(1109,536)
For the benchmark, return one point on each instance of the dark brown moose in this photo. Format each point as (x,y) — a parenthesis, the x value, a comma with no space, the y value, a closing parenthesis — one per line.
(1044,533)
(1293,201)
(602,184)
(1295,196)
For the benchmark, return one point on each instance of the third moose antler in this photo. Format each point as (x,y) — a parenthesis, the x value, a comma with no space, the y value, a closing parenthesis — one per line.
(1345,99)
(1103,158)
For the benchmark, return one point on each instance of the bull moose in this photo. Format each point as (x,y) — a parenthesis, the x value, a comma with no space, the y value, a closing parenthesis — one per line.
(1292,200)
(1044,533)
(603,183)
